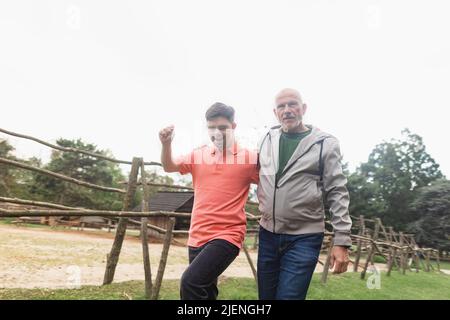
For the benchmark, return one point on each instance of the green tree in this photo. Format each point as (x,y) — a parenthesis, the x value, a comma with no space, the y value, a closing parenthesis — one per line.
(82,167)
(7,180)
(15,182)
(364,196)
(386,184)
(432,208)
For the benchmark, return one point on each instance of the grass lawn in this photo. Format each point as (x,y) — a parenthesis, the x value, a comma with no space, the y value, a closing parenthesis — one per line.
(442,264)
(420,286)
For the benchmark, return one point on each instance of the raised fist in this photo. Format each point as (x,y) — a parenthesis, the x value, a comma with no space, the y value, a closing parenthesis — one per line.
(166,135)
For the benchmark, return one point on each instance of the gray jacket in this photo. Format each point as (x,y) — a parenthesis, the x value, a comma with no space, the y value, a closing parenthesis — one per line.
(295,205)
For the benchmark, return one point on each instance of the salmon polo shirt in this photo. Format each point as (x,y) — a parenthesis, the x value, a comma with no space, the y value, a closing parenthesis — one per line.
(221,187)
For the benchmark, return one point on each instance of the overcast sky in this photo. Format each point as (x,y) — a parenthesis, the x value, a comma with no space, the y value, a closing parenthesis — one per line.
(114,72)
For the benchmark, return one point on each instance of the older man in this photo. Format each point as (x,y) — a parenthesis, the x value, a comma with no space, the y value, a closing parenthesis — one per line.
(300,171)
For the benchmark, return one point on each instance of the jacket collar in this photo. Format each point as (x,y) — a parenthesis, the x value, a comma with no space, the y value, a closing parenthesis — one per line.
(315,136)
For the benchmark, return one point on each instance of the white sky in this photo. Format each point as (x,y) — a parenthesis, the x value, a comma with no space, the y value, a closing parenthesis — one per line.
(115,72)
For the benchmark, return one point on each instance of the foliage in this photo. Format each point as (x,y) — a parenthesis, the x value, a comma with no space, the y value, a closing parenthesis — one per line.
(431,213)
(387,183)
(82,167)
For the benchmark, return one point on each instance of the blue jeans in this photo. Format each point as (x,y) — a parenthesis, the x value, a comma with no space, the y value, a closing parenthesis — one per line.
(286,264)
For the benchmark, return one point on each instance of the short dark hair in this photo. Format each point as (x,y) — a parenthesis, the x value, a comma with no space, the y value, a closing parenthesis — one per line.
(220,109)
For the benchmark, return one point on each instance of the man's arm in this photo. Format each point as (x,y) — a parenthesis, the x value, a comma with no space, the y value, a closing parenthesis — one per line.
(166,137)
(338,201)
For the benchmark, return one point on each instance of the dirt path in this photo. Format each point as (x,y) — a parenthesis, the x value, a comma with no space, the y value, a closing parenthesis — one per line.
(45,258)
(35,257)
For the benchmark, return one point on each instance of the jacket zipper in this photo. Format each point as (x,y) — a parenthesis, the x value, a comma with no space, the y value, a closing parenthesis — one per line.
(274,197)
(274,189)
(282,174)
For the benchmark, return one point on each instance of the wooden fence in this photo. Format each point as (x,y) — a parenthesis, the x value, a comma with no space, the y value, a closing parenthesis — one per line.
(369,236)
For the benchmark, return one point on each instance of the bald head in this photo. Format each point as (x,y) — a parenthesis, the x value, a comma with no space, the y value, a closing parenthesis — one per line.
(289,110)
(288,93)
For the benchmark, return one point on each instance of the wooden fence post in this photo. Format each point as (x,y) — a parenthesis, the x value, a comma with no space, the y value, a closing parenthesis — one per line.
(256,242)
(358,249)
(414,253)
(376,233)
(405,260)
(402,254)
(163,261)
(393,240)
(368,260)
(113,256)
(250,262)
(416,260)
(371,253)
(437,261)
(144,235)
(422,261)
(326,266)
(392,257)
(428,260)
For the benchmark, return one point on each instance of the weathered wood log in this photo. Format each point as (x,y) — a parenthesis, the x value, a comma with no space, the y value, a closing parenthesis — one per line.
(251,216)
(405,261)
(383,230)
(74,150)
(402,254)
(376,233)
(38,204)
(144,236)
(88,213)
(428,264)
(437,261)
(358,256)
(416,261)
(422,262)
(58,176)
(163,261)
(326,267)
(368,260)
(391,260)
(358,249)
(250,262)
(256,241)
(393,235)
(113,257)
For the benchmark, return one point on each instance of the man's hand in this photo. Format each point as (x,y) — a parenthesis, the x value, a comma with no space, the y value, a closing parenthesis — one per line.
(166,135)
(339,259)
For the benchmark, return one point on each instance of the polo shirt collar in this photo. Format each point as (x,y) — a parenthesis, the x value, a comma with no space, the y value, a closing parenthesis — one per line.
(235,148)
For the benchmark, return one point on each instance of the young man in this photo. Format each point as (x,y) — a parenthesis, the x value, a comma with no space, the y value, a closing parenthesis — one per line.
(300,166)
(221,176)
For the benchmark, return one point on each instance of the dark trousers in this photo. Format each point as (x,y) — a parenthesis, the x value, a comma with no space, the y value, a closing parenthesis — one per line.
(206,264)
(286,264)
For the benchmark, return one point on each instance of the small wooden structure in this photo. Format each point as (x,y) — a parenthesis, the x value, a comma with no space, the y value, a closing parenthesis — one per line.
(170,201)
